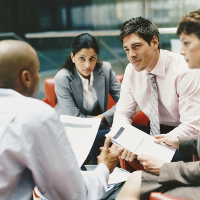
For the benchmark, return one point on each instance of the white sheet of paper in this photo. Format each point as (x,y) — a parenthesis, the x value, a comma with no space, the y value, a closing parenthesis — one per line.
(81,133)
(139,143)
(118,175)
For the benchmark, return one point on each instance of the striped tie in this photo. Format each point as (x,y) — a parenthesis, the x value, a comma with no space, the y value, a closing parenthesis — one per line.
(154,116)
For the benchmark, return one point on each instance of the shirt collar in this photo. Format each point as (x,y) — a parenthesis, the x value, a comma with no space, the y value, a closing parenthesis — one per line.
(85,81)
(159,68)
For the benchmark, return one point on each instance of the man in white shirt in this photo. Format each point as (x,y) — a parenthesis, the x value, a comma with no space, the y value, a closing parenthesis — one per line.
(178,93)
(34,149)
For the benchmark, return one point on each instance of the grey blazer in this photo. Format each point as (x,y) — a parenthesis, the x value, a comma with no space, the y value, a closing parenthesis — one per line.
(177,179)
(69,91)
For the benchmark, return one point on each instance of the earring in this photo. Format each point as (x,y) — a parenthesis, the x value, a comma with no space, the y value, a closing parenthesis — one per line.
(73,61)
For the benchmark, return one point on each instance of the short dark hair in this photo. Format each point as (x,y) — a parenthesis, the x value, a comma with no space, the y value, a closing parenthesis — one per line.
(190,24)
(142,27)
(84,40)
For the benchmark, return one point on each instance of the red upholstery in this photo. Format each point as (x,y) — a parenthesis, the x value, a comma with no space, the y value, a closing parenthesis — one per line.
(50,95)
(160,196)
(195,157)
(111,102)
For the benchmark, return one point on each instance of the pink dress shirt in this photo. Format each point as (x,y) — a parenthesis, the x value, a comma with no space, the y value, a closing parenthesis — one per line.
(178,94)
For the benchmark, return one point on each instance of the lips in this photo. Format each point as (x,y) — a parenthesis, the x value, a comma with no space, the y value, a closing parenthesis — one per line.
(186,60)
(135,61)
(87,70)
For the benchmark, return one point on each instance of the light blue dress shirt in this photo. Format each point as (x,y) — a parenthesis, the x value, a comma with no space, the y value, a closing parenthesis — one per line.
(34,150)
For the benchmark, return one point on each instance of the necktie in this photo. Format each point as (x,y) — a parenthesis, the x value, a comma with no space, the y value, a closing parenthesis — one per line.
(154,116)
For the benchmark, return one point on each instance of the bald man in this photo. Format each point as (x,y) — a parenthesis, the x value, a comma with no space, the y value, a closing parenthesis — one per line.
(34,149)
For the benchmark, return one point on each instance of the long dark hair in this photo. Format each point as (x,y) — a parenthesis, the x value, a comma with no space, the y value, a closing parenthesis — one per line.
(84,40)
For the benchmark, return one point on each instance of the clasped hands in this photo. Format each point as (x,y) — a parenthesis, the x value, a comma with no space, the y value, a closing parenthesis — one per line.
(151,164)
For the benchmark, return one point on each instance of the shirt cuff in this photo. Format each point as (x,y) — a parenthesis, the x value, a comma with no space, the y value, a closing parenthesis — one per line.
(103,169)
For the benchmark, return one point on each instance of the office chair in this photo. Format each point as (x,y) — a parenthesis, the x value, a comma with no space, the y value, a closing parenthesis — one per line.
(160,196)
(50,95)
(49,91)
(37,195)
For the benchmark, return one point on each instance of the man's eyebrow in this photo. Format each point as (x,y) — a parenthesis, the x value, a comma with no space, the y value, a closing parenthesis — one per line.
(124,47)
(132,44)
(135,43)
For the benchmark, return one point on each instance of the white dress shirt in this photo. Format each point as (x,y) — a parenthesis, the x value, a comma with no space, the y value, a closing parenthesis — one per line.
(178,94)
(34,150)
(89,94)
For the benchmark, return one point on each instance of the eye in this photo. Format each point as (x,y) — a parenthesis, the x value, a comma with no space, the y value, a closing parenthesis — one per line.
(92,58)
(185,43)
(126,50)
(82,58)
(136,46)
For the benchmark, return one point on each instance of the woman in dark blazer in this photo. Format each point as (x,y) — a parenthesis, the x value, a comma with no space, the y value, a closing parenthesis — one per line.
(177,179)
(83,84)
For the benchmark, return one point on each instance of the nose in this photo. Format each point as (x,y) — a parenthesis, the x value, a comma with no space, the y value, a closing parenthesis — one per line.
(132,53)
(182,51)
(87,64)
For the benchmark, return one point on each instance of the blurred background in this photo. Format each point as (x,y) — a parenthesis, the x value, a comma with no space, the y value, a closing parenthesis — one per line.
(51,25)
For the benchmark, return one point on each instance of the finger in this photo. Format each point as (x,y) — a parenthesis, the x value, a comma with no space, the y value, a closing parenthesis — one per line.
(114,146)
(107,143)
(128,156)
(123,155)
(133,156)
(158,141)
(160,136)
(141,158)
(120,150)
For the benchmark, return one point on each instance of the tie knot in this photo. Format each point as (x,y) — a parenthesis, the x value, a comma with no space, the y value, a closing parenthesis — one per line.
(151,77)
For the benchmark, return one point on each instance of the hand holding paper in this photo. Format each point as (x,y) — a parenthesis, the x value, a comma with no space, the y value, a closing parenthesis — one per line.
(151,164)
(167,139)
(108,156)
(138,142)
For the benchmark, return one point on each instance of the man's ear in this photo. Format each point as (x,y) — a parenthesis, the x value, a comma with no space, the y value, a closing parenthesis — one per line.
(26,78)
(155,42)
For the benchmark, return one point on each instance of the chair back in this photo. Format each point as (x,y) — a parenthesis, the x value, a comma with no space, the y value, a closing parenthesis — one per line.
(111,102)
(49,91)
(160,196)
(50,95)
(195,157)
(37,195)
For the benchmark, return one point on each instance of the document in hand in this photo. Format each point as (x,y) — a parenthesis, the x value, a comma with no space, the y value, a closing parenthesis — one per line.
(139,143)
(81,133)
